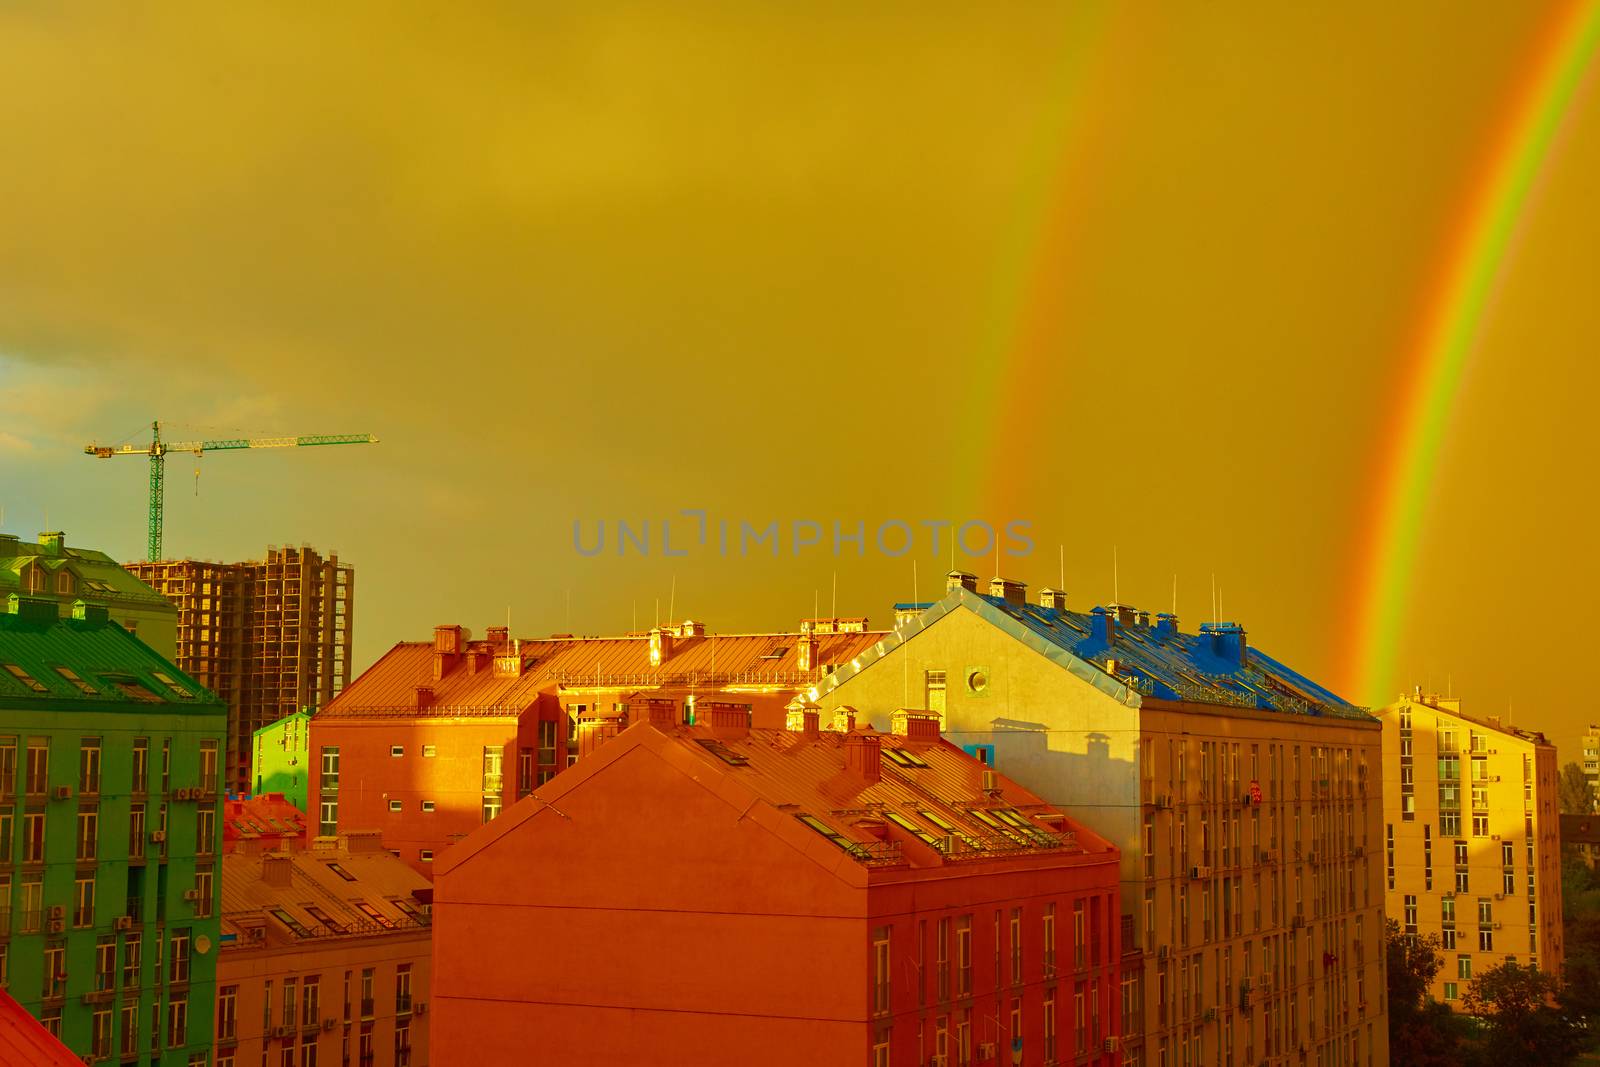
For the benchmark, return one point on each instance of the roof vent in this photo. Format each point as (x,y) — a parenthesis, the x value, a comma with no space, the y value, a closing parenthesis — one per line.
(961,580)
(915,725)
(1009,589)
(660,646)
(275,870)
(1166,624)
(806,649)
(1100,625)
(659,712)
(424,697)
(32,608)
(803,719)
(723,717)
(1053,598)
(53,542)
(844,719)
(1127,615)
(447,642)
(1228,642)
(89,612)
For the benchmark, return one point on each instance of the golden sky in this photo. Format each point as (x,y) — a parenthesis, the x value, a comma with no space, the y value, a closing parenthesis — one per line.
(601,261)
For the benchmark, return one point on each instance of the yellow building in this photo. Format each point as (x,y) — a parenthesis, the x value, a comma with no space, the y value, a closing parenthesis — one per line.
(1244,798)
(1472,847)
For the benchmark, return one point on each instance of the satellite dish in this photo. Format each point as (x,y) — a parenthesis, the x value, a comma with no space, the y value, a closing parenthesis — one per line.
(202,944)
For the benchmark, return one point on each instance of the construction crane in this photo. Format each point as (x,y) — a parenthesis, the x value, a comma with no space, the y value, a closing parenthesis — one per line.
(157,450)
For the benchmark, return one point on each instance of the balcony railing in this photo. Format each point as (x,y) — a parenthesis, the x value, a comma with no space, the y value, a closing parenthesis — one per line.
(368,1007)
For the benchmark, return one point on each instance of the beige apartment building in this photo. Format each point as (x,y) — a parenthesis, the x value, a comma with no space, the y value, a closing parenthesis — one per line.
(1472,848)
(1244,797)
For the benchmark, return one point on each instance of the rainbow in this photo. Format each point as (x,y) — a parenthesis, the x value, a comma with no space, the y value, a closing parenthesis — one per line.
(1446,332)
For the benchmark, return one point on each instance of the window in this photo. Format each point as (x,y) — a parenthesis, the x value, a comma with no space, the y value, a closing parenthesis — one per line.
(178,1021)
(105,963)
(880,970)
(964,956)
(395,806)
(83,912)
(25,678)
(427,805)
(328,818)
(88,835)
(402,989)
(38,766)
(208,766)
(934,692)
(1016,946)
(396,751)
(89,766)
(8,766)
(227,1012)
(205,830)
(166,765)
(1411,913)
(311,1001)
(100,1030)
(1049,939)
(204,892)
(1464,968)
(330,768)
(491,808)
(429,751)
(179,960)
(141,764)
(425,855)
(341,872)
(493,758)
(130,961)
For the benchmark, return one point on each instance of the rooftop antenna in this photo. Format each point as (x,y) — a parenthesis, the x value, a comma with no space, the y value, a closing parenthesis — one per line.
(1174,595)
(568,627)
(1061,553)
(834,611)
(1216,615)
(1116,585)
(636,615)
(658,613)
(672,602)
(915,592)
(997,557)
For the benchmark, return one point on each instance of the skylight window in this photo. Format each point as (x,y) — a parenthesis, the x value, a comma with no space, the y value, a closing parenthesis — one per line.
(723,752)
(912,828)
(949,828)
(855,848)
(290,921)
(375,915)
(72,676)
(167,680)
(341,872)
(325,919)
(25,678)
(903,757)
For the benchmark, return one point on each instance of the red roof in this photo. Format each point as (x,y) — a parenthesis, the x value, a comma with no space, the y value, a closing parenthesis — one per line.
(24,1040)
(268,816)
(932,805)
(474,686)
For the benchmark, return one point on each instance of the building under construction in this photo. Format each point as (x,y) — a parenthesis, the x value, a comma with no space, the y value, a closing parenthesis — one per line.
(267,636)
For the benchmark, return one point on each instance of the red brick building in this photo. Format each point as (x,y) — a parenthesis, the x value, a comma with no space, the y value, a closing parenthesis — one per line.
(437,737)
(266,820)
(719,895)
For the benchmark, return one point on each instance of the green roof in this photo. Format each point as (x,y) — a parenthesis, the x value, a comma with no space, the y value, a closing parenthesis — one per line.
(99,576)
(88,664)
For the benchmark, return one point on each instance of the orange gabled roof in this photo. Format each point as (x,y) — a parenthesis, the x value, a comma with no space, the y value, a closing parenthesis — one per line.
(24,1040)
(709,662)
(791,776)
(269,815)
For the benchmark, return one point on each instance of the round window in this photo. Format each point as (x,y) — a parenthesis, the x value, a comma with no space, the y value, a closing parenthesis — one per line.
(977,680)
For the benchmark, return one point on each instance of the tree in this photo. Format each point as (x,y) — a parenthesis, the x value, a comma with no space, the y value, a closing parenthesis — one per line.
(1422,1032)
(1523,1019)
(1576,797)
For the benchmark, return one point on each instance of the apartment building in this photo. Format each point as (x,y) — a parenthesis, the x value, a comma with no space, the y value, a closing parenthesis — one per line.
(1472,838)
(280,759)
(1244,798)
(726,895)
(109,800)
(438,737)
(61,574)
(269,636)
(325,957)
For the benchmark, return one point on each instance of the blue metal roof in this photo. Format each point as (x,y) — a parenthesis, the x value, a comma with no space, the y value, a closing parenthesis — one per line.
(1131,659)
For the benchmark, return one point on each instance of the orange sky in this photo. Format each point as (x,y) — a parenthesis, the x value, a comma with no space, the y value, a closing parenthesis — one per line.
(595,261)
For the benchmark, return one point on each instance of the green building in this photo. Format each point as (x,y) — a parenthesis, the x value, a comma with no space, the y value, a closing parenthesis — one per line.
(278,758)
(62,575)
(109,837)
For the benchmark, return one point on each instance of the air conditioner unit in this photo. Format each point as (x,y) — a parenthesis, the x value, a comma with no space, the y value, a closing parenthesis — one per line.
(158,836)
(1164,800)
(936,1060)
(191,895)
(1312,858)
(421,1008)
(1246,984)
(283,1031)
(329,1023)
(124,922)
(1360,851)
(1497,926)
(55,911)
(1245,800)
(61,792)
(988,781)
(1298,921)
(1210,1015)
(1163,951)
(1110,1044)
(57,926)
(1499,896)
(986,1050)
(1269,856)
(1199,872)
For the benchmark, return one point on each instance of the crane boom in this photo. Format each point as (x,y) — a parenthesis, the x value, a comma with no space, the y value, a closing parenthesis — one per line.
(157,451)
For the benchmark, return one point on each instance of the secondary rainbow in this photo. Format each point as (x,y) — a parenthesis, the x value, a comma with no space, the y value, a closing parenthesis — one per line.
(1446,334)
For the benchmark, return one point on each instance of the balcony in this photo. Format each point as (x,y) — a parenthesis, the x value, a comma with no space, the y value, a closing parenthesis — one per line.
(368,1008)
(402,1004)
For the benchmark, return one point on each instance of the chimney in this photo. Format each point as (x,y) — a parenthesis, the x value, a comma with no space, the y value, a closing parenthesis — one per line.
(52,542)
(806,650)
(1053,598)
(919,726)
(660,713)
(276,870)
(660,646)
(862,756)
(1126,614)
(32,608)
(1166,625)
(723,717)
(1230,643)
(447,641)
(90,612)
(424,697)
(844,719)
(1143,619)
(961,580)
(1009,590)
(497,636)
(906,613)
(690,628)
(803,719)
(364,841)
(595,730)
(1100,625)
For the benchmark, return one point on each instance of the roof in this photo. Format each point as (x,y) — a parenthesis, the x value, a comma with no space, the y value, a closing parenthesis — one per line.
(1452,706)
(99,576)
(710,661)
(360,892)
(1130,660)
(268,816)
(89,664)
(1580,829)
(933,804)
(23,1039)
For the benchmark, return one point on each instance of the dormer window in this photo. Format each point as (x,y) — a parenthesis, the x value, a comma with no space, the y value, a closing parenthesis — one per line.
(64,583)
